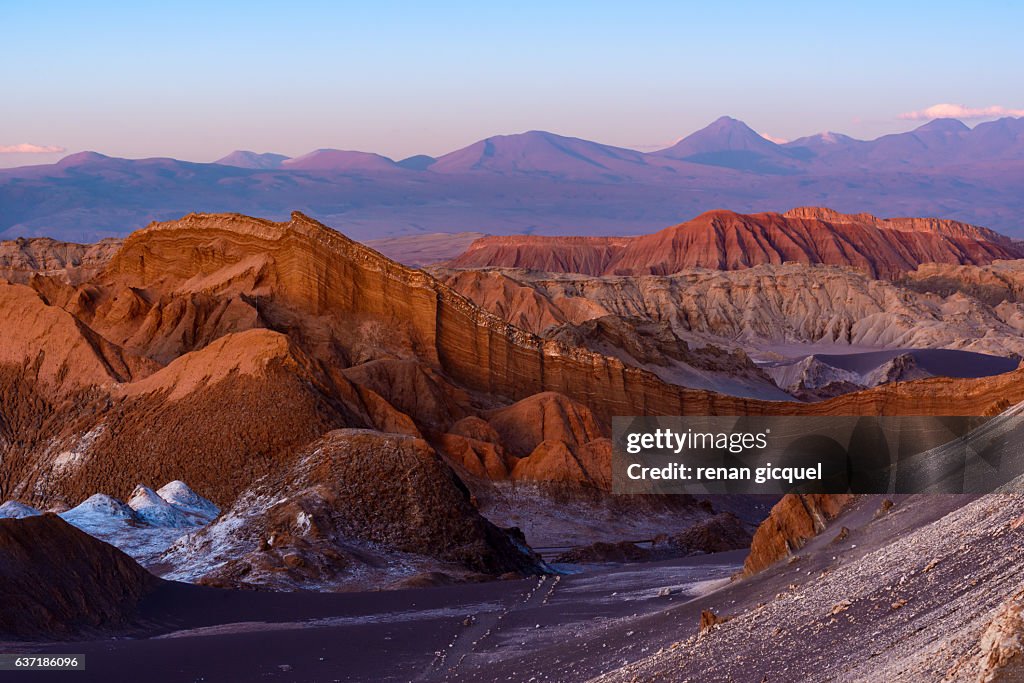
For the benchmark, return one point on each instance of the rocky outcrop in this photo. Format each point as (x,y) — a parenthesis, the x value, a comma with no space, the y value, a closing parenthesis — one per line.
(59,582)
(723,240)
(73,263)
(772,305)
(604,552)
(218,418)
(999,284)
(349,495)
(939,226)
(655,346)
(725,531)
(709,621)
(1001,648)
(794,519)
(62,352)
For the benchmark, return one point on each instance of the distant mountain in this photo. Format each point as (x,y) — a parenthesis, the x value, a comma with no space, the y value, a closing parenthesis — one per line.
(731,143)
(340,160)
(938,143)
(419,162)
(820,144)
(1002,139)
(244,159)
(722,135)
(540,183)
(539,152)
(81,158)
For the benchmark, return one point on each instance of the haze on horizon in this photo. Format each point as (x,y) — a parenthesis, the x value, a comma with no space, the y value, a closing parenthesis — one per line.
(195,82)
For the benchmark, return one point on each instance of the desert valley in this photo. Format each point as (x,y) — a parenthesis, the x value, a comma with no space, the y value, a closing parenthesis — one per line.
(266,439)
(565,342)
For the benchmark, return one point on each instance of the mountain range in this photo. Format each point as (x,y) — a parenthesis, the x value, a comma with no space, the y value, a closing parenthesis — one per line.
(540,182)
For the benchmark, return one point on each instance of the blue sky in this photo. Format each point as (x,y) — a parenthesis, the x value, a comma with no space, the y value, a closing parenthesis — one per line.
(193,81)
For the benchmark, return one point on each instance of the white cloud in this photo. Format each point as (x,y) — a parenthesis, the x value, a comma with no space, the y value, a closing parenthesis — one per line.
(960,111)
(28,148)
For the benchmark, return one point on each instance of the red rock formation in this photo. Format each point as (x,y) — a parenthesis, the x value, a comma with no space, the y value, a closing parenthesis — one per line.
(1000,657)
(356,341)
(63,352)
(723,240)
(794,519)
(220,349)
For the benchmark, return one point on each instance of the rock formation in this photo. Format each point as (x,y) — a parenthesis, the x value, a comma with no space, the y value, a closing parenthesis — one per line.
(794,519)
(219,349)
(723,240)
(74,263)
(1001,656)
(347,496)
(725,531)
(767,306)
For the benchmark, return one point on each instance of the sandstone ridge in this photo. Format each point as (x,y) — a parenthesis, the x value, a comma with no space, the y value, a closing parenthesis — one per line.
(724,240)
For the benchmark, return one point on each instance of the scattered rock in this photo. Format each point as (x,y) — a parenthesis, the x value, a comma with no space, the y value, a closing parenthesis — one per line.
(709,620)
(1002,645)
(840,607)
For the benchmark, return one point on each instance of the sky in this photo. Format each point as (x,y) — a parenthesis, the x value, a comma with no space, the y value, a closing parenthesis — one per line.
(196,80)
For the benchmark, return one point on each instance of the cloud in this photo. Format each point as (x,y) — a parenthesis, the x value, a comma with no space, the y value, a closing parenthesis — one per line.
(772,138)
(959,111)
(27,148)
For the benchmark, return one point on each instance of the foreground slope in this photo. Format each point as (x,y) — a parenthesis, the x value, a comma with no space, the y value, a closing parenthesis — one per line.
(926,591)
(59,582)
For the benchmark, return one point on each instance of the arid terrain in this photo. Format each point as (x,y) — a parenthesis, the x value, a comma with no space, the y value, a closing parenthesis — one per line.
(233,448)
